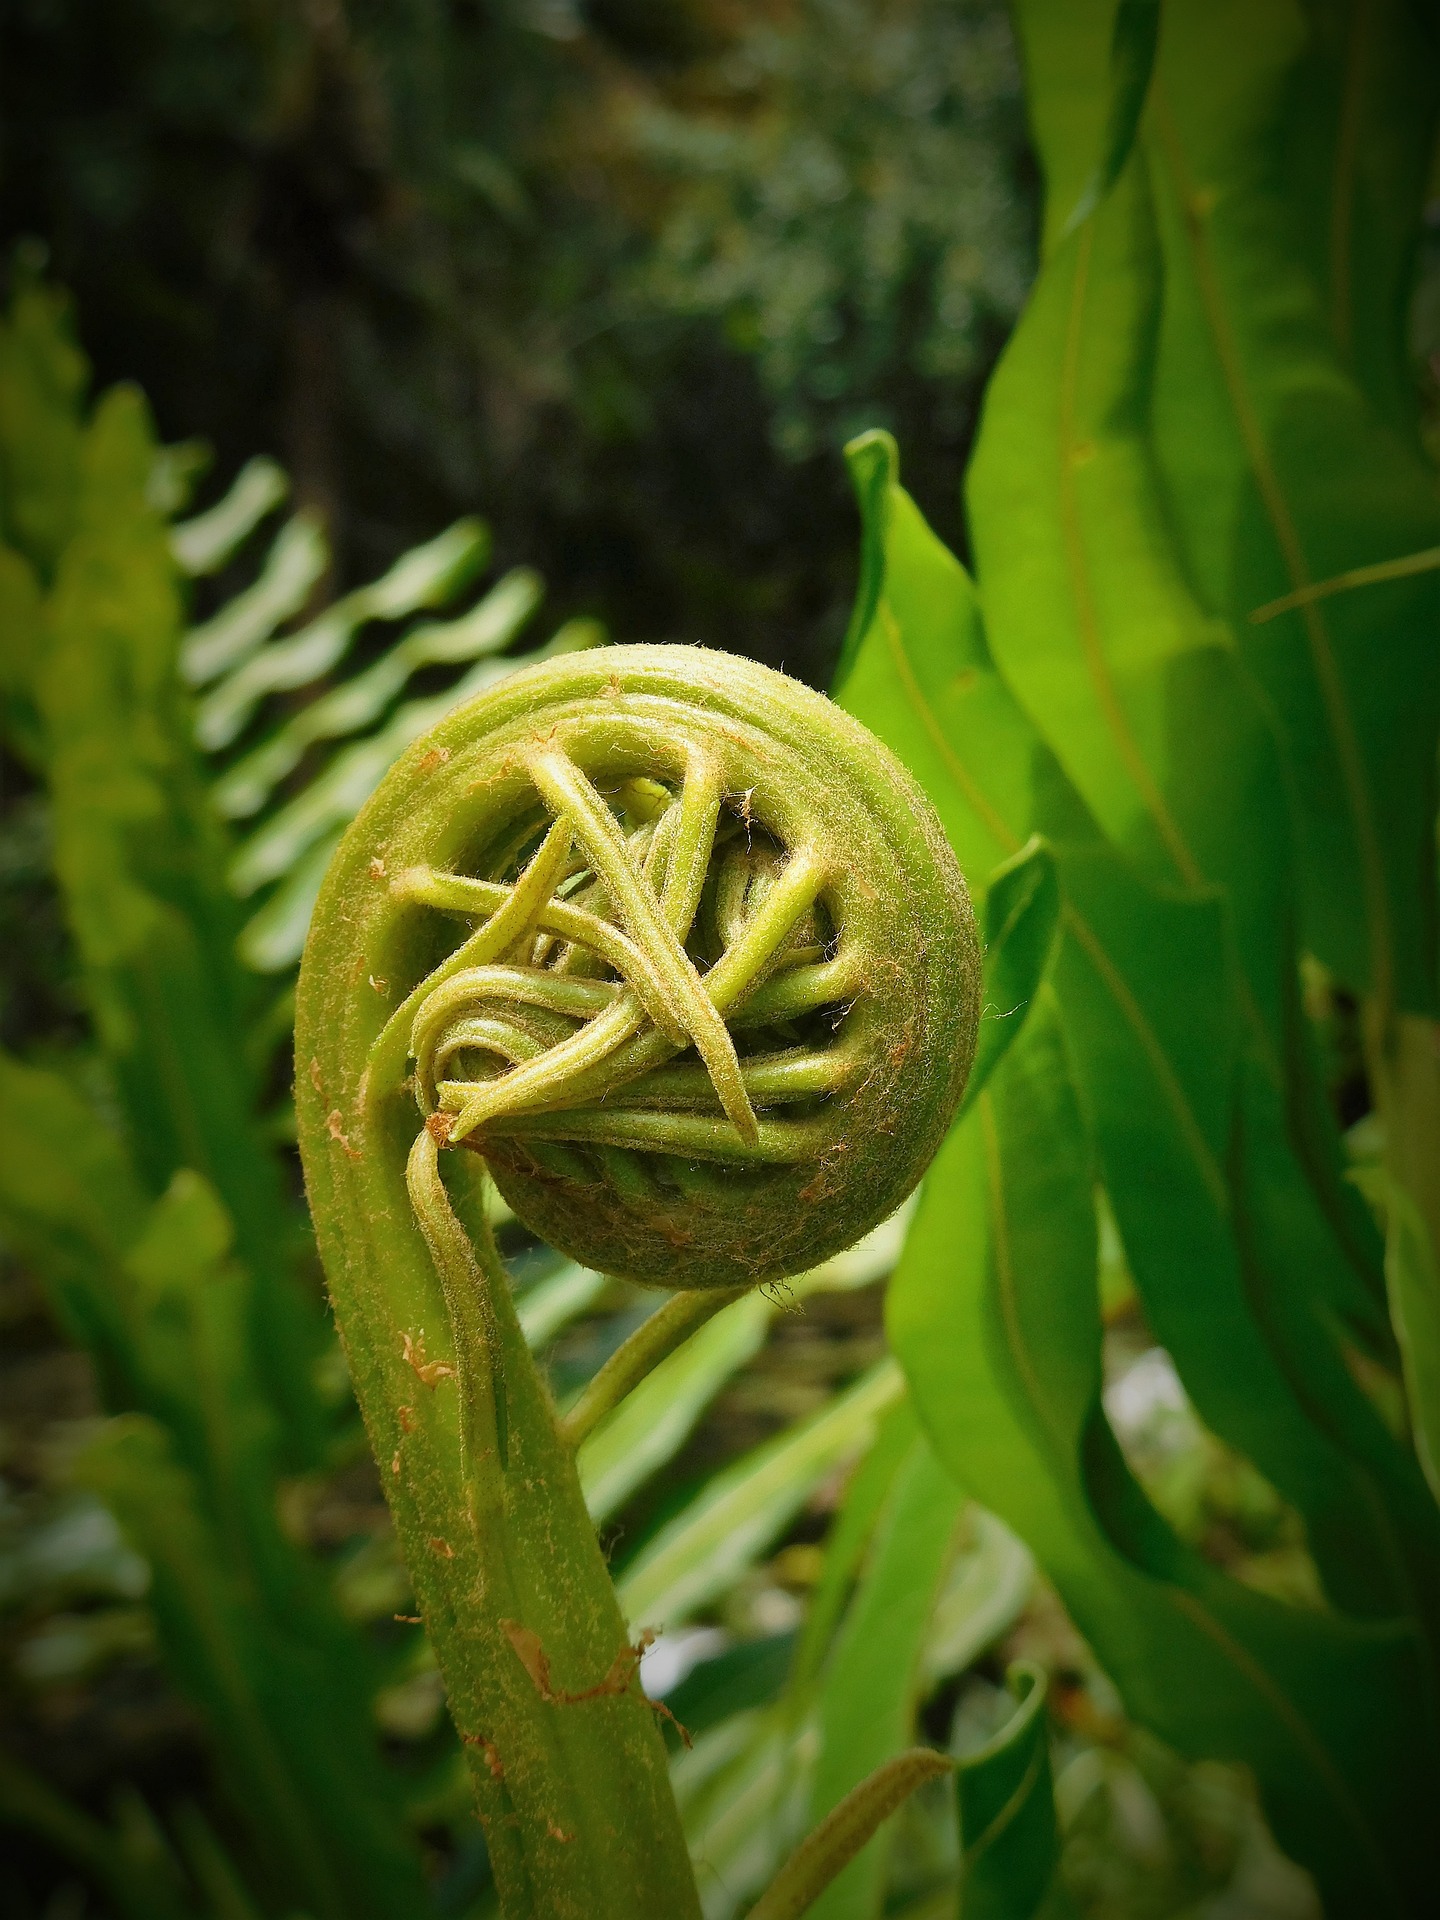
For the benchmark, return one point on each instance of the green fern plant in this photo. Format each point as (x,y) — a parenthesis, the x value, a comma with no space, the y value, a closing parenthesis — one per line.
(350,725)
(160,1229)
(1202,422)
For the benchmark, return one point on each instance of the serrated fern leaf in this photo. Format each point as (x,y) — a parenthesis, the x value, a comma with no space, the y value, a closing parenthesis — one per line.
(242,660)
(204,544)
(296,562)
(424,578)
(357,703)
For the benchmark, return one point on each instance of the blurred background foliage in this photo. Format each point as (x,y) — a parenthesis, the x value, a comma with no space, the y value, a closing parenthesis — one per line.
(622,276)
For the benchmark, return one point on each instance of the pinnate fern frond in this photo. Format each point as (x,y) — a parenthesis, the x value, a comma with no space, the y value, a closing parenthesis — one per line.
(299,734)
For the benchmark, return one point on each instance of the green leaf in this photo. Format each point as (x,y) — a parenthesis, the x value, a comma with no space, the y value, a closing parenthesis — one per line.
(69,1193)
(994,1313)
(653,1422)
(656,1418)
(1279,474)
(1068,56)
(204,544)
(1009,1842)
(800,1884)
(1093,618)
(742,1509)
(870,1690)
(43,377)
(1360,127)
(361,701)
(919,674)
(288,1710)
(1089,616)
(71,1205)
(1132,61)
(140,867)
(296,560)
(1022,914)
(1149,989)
(426,576)
(1218,1238)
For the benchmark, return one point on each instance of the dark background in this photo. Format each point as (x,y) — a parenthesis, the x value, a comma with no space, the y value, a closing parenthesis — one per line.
(622,276)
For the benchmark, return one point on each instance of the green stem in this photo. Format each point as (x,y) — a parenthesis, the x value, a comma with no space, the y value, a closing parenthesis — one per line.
(568,1765)
(666,1329)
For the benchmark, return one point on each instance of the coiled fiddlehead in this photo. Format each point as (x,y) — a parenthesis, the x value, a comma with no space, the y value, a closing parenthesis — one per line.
(719,1000)
(681,953)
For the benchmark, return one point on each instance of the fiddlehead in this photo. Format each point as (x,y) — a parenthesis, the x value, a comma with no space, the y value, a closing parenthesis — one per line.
(719,996)
(679,951)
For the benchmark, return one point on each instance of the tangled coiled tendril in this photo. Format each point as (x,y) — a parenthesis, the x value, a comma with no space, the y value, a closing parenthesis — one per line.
(718,999)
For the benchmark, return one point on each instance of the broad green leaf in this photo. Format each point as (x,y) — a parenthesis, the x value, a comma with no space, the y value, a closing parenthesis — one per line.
(296,560)
(1222,1246)
(1087,611)
(988,1587)
(994,1312)
(1146,978)
(1093,619)
(918,672)
(1009,1843)
(1279,474)
(203,544)
(869,1693)
(1132,60)
(705,1548)
(1069,65)
(1360,129)
(801,1885)
(1022,913)
(426,576)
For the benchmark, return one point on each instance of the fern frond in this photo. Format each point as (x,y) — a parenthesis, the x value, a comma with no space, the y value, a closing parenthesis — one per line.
(299,797)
